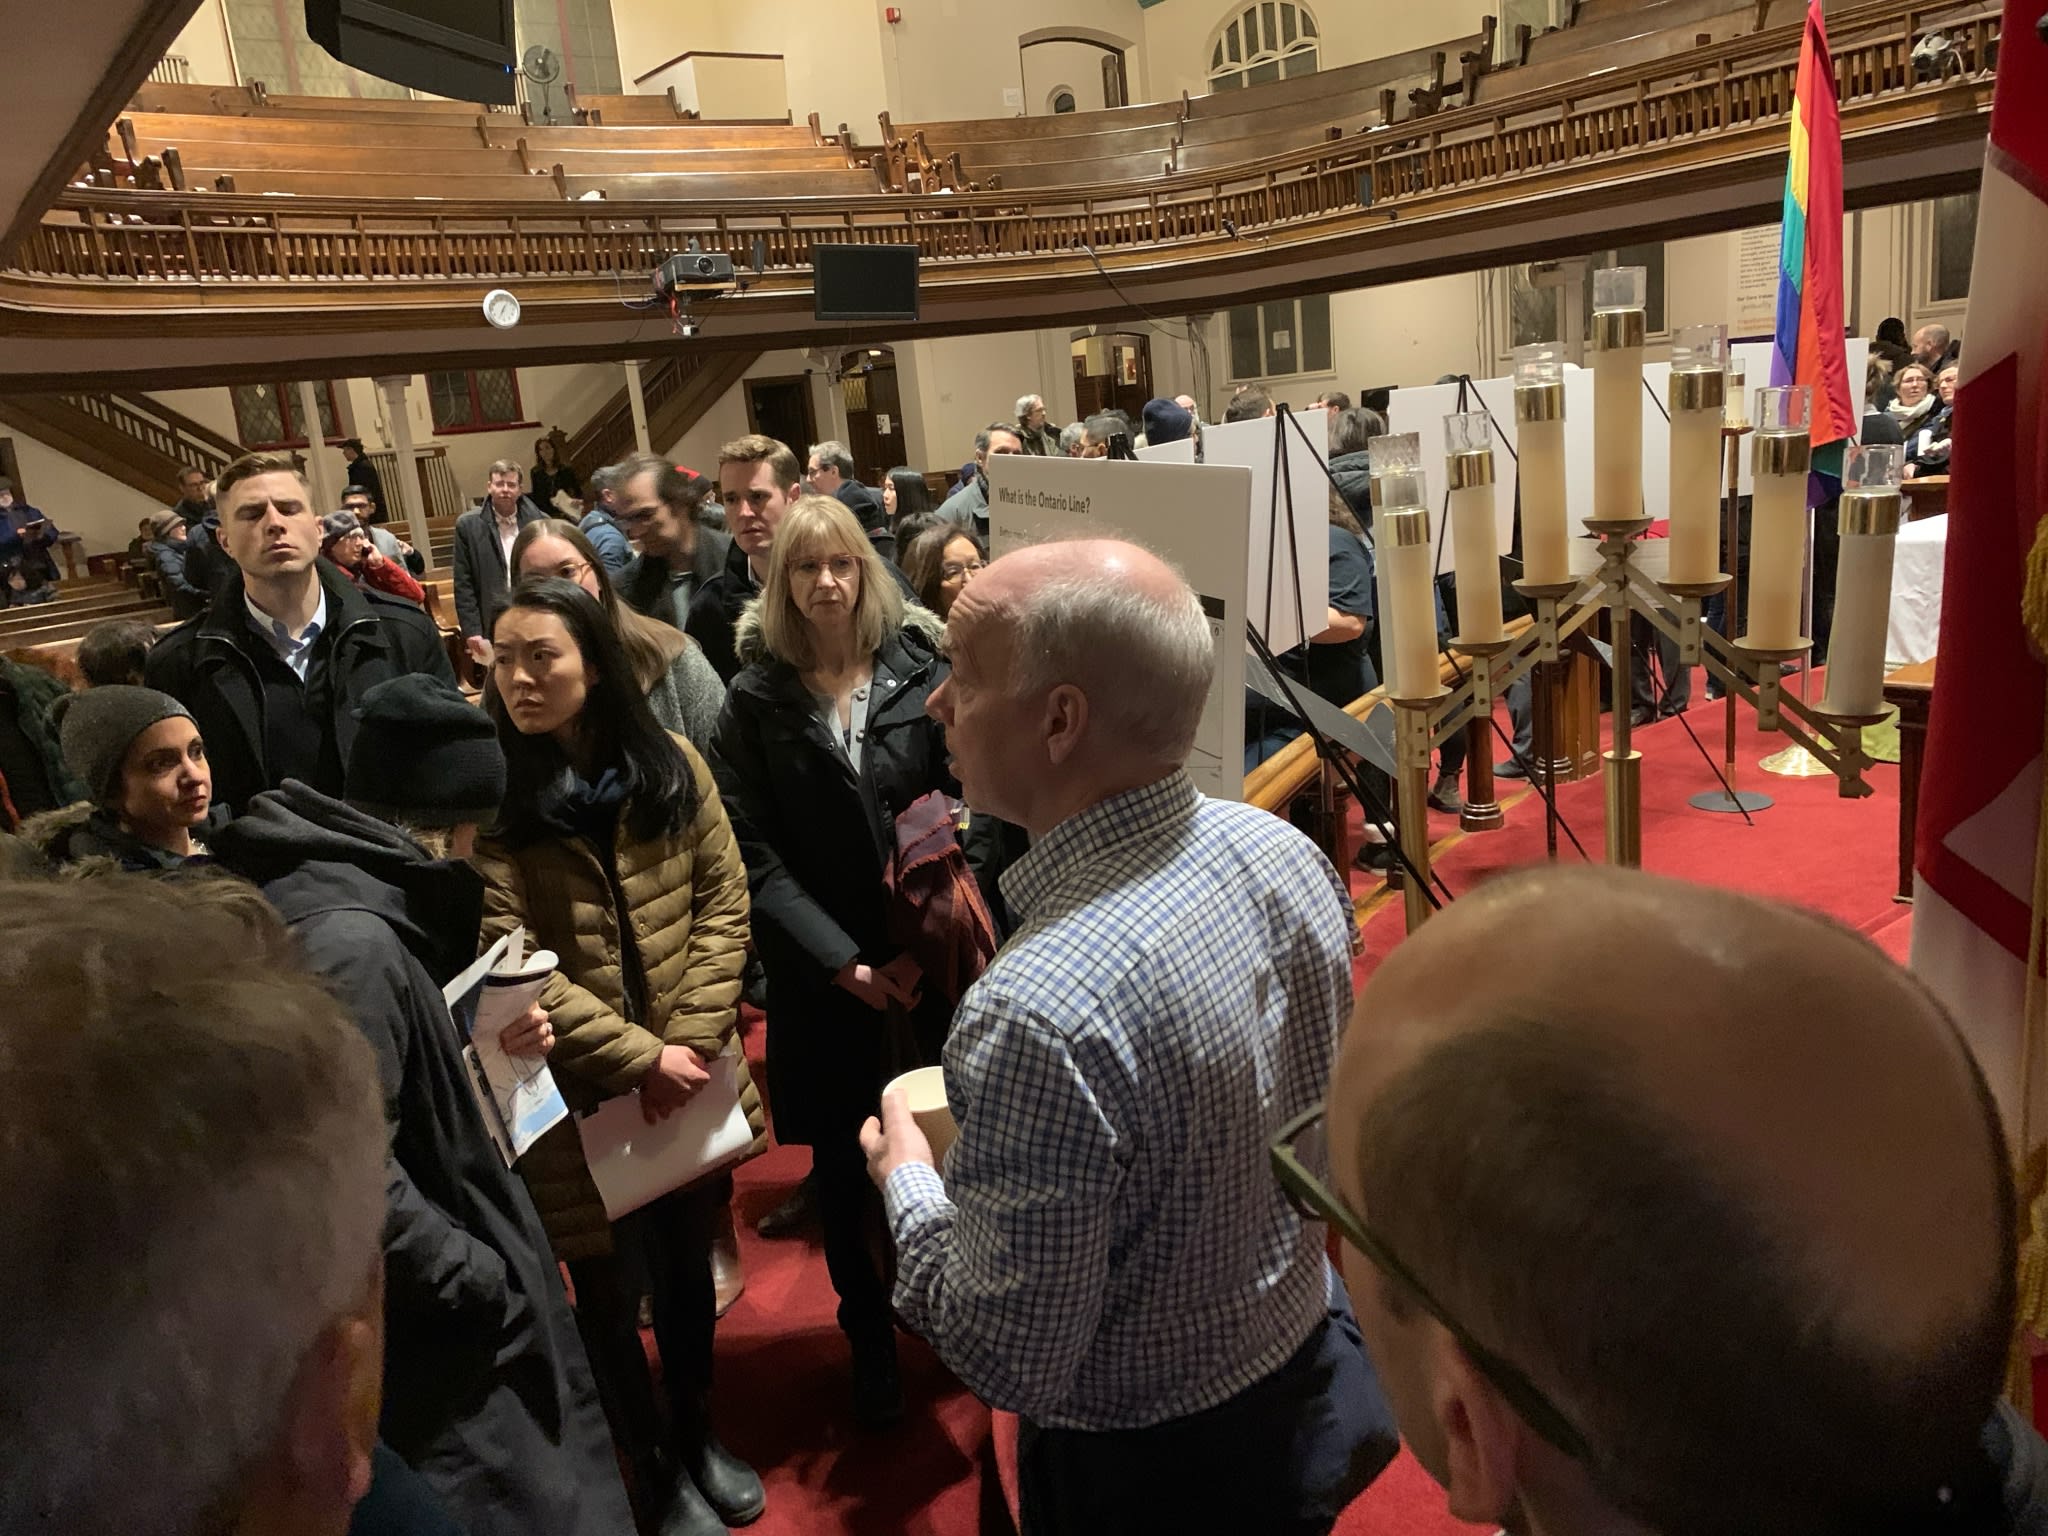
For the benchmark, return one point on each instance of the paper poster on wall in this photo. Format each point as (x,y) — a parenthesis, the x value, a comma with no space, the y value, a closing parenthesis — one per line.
(1755,308)
(882,427)
(1423,409)
(1196,516)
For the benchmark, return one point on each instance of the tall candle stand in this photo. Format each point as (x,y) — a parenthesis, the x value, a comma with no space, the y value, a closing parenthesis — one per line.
(1747,665)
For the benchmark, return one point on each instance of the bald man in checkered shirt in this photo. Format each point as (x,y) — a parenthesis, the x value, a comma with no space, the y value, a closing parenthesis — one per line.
(1109,1255)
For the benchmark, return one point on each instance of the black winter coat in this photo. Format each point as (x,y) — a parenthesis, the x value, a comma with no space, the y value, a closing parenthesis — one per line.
(816,837)
(208,665)
(651,586)
(487,1391)
(481,577)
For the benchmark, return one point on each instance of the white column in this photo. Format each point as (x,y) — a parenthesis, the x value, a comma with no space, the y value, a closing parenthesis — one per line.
(319,472)
(407,490)
(638,401)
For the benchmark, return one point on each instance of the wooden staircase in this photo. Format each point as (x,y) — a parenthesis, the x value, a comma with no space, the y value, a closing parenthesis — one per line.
(679,389)
(129,436)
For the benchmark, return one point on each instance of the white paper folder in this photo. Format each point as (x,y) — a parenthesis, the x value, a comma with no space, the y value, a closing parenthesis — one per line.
(634,1162)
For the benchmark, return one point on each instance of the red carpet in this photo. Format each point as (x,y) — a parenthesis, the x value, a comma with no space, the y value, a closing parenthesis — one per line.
(1811,848)
(783,1374)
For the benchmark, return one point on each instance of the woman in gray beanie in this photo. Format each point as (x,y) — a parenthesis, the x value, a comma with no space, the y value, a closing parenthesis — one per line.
(139,755)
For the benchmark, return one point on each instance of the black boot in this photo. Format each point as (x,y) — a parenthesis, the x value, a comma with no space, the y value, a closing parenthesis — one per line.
(689,1513)
(795,1216)
(729,1485)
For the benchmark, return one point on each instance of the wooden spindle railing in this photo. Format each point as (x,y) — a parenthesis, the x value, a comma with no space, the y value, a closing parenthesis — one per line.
(175,240)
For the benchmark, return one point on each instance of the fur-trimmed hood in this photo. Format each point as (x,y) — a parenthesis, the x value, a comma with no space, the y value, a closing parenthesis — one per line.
(85,839)
(751,647)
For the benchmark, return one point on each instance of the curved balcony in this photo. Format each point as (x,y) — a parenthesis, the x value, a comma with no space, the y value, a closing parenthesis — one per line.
(194,286)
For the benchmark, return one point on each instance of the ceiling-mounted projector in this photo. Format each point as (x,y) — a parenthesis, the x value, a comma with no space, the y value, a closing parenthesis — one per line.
(693,270)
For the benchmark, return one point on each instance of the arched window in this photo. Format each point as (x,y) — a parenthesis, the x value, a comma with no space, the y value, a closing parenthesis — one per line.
(1063,100)
(1272,40)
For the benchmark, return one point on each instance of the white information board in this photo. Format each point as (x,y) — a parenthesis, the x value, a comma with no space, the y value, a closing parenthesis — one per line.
(1422,411)
(1285,588)
(1197,516)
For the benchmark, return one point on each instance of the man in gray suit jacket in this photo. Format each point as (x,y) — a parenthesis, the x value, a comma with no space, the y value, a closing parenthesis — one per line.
(483,554)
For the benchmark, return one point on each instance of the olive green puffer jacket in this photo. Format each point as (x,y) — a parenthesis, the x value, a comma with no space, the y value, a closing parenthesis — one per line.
(686,899)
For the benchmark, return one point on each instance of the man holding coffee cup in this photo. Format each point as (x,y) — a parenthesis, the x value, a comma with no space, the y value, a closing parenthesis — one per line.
(1108,1255)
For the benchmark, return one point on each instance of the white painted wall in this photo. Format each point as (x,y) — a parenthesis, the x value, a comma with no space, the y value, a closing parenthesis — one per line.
(1050,66)
(204,45)
(78,498)
(1177,35)
(950,59)
(832,50)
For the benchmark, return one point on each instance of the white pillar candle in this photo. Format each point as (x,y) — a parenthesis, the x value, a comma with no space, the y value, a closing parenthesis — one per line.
(1620,324)
(1777,560)
(1539,453)
(1698,391)
(1407,593)
(1781,452)
(1475,541)
(1406,572)
(1869,511)
(1546,531)
(1617,433)
(1863,600)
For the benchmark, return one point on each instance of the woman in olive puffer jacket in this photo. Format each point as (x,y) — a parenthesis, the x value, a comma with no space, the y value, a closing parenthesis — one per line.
(614,851)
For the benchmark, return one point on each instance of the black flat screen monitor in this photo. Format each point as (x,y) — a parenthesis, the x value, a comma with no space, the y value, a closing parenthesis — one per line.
(462,49)
(864,282)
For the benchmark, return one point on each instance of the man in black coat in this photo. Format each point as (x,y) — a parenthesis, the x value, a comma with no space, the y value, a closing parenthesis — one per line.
(487,1391)
(830,472)
(276,666)
(207,566)
(362,472)
(657,505)
(483,553)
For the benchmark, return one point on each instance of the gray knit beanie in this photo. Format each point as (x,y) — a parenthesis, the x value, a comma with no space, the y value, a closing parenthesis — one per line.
(95,729)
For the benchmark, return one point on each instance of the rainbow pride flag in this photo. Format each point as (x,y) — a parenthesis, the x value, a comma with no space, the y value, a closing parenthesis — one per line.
(1810,346)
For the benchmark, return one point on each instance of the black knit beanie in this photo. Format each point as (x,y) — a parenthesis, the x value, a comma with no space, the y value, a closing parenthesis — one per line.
(424,756)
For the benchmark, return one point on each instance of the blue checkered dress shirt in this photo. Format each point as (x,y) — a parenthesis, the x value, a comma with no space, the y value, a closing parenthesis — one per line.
(1109,1248)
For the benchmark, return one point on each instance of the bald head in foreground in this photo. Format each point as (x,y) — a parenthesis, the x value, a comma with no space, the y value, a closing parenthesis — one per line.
(1722,1215)
(192,1195)
(1107,1254)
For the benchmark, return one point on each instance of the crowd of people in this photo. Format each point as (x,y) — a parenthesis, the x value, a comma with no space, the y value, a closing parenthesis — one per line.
(772,733)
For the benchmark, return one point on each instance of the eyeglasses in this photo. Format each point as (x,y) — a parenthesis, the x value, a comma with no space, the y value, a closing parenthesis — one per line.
(842,568)
(568,570)
(953,570)
(1317,1202)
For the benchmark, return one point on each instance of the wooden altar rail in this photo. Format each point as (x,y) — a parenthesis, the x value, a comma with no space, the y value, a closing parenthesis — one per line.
(116,236)
(1292,771)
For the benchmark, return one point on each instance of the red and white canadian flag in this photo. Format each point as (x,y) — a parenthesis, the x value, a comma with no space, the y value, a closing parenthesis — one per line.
(1981,882)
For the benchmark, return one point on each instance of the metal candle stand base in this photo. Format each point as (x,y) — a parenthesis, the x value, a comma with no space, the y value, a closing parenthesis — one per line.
(1562,609)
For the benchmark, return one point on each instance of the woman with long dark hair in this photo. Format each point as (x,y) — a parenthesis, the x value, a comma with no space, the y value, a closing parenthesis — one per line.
(551,474)
(683,688)
(613,850)
(824,743)
(905,493)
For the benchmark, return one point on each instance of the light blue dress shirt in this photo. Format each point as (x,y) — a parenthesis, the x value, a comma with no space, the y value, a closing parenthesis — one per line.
(1109,1248)
(295,651)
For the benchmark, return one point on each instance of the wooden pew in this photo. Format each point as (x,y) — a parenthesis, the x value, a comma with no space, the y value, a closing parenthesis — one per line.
(711,186)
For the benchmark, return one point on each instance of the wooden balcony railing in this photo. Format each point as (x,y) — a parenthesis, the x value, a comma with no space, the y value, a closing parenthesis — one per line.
(157,248)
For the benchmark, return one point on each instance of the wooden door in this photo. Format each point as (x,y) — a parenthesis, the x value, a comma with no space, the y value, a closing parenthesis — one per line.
(1113,372)
(781,408)
(874,414)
